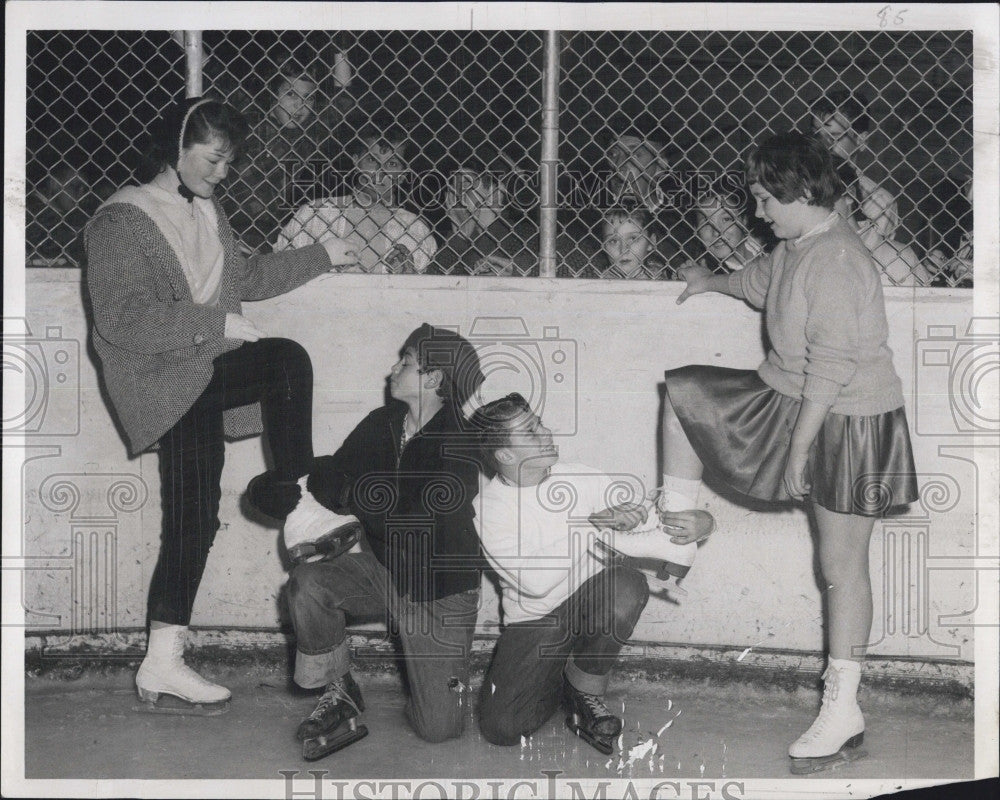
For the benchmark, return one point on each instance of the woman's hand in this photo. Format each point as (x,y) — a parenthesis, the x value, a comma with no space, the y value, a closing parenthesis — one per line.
(341,252)
(684,527)
(399,261)
(697,278)
(239,327)
(795,474)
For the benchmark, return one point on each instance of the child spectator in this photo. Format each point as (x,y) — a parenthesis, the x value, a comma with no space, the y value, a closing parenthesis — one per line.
(949,258)
(59,202)
(389,238)
(287,152)
(721,216)
(628,247)
(488,238)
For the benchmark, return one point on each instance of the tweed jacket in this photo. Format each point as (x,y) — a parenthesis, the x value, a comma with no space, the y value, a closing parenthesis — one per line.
(155,344)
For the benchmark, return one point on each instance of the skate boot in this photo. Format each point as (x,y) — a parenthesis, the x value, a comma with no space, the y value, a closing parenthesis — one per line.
(653,542)
(835,737)
(333,724)
(313,532)
(166,685)
(590,719)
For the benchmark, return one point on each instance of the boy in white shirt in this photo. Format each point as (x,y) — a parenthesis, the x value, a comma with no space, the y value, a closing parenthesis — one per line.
(566,615)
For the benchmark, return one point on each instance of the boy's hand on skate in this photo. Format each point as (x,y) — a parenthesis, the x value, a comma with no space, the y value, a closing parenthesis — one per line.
(623,517)
(689,526)
(697,280)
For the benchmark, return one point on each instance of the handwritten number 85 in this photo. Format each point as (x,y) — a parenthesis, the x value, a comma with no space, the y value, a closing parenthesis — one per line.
(883,16)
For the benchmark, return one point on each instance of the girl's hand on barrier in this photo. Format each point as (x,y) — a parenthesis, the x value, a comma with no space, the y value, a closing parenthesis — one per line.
(342,253)
(239,327)
(697,280)
(795,475)
(399,261)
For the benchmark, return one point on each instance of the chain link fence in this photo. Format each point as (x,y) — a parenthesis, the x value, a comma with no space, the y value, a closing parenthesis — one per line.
(426,147)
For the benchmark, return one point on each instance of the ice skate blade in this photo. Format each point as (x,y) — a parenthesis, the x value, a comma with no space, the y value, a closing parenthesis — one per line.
(851,751)
(319,746)
(600,743)
(328,546)
(162,703)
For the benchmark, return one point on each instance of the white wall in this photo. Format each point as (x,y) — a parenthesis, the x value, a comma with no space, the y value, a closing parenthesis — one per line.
(89,531)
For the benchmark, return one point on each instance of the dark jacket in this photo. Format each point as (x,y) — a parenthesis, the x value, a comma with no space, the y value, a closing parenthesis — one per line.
(415,504)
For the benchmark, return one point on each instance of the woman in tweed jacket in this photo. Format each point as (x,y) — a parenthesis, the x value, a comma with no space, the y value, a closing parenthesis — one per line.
(183,368)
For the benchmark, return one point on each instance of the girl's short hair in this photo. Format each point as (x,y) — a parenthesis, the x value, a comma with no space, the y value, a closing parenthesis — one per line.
(637,215)
(793,165)
(492,423)
(211,119)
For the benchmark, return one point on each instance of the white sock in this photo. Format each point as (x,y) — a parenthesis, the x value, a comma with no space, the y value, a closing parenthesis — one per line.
(679,494)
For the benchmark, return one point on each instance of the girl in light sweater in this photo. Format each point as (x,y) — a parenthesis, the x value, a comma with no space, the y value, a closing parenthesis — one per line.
(821,419)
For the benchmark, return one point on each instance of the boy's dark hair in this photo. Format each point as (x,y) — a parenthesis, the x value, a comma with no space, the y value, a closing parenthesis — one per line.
(853,105)
(445,350)
(209,120)
(492,425)
(793,165)
(291,70)
(634,213)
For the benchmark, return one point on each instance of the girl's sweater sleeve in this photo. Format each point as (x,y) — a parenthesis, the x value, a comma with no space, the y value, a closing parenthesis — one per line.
(752,282)
(834,284)
(134,309)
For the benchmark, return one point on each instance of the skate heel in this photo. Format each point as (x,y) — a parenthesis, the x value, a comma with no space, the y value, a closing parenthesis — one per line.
(148,696)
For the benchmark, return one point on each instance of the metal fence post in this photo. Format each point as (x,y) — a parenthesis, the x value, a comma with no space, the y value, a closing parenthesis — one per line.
(193,54)
(550,157)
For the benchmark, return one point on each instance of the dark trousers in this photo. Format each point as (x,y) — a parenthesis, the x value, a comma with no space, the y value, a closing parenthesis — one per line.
(581,639)
(278,374)
(436,636)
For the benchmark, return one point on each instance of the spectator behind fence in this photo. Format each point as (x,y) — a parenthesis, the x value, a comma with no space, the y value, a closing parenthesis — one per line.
(182,368)
(289,151)
(949,258)
(60,200)
(721,216)
(842,122)
(628,247)
(640,174)
(487,238)
(389,238)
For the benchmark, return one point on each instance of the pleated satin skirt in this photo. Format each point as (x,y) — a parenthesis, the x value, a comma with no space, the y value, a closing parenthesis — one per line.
(741,430)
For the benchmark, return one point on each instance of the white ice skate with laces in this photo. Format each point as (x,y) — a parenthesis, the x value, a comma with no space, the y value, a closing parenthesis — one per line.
(313,532)
(836,735)
(166,685)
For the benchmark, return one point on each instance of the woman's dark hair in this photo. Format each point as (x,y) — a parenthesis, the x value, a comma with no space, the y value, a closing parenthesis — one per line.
(492,423)
(210,119)
(793,165)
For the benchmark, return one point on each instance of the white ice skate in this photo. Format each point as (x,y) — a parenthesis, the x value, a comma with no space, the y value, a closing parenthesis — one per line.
(836,735)
(166,685)
(313,532)
(652,541)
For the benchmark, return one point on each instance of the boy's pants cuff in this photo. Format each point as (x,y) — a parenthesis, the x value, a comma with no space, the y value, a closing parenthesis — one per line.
(584,681)
(315,671)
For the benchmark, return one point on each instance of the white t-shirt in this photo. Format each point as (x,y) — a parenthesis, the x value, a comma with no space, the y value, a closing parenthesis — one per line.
(538,539)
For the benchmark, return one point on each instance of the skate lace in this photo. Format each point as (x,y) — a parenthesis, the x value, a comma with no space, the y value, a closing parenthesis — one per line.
(335,693)
(595,705)
(831,688)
